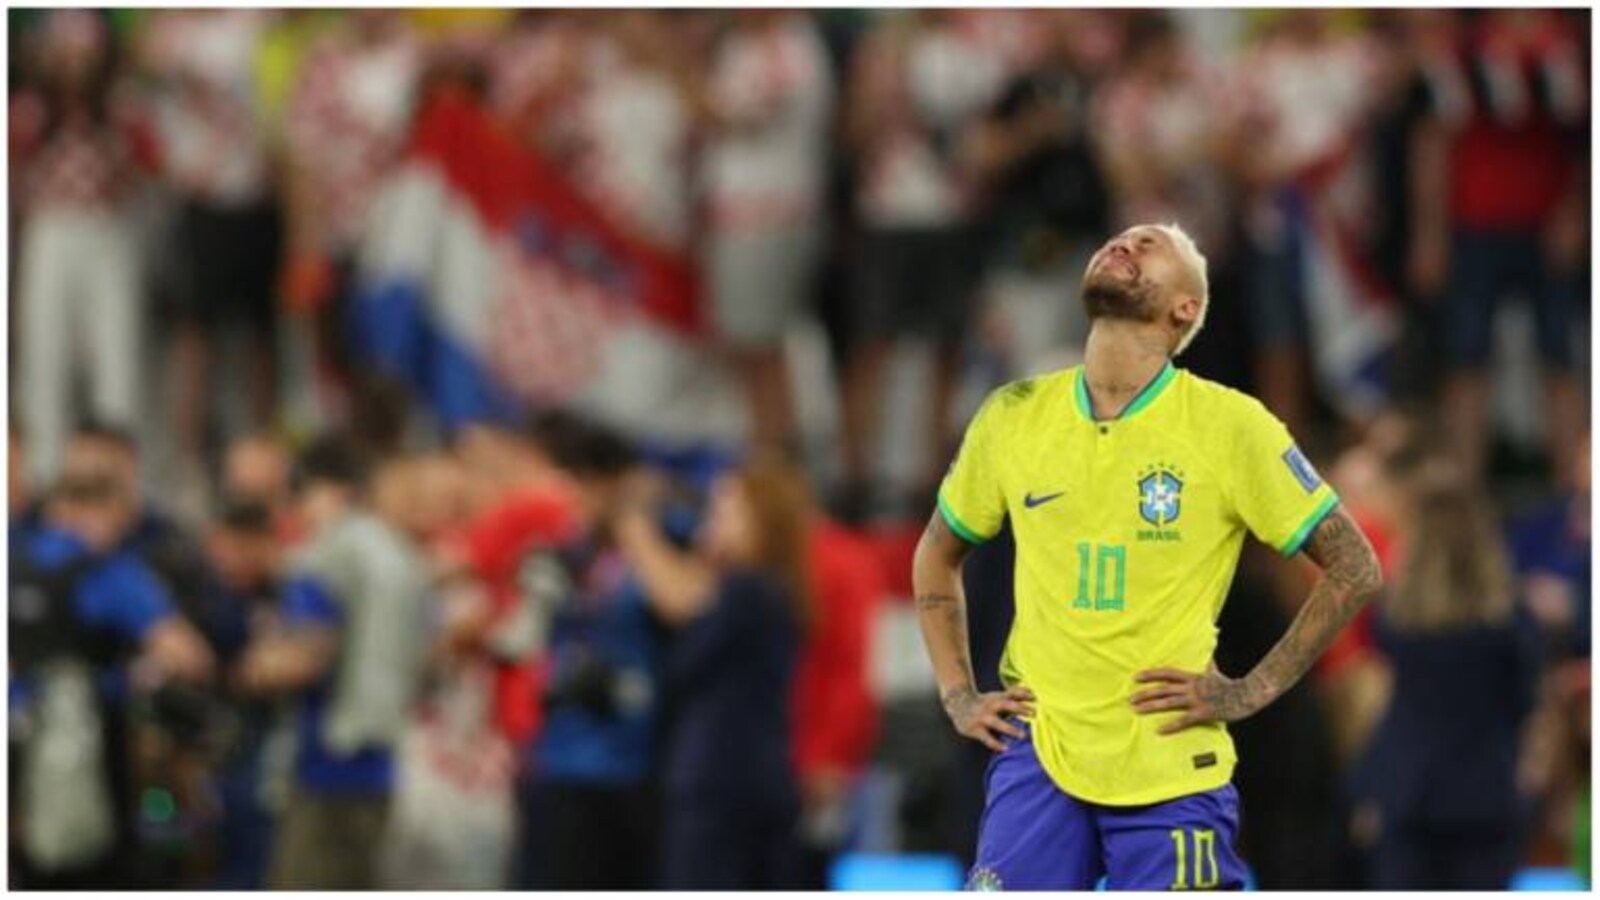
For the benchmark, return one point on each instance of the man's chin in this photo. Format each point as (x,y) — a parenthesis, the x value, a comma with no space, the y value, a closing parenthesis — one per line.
(1107,278)
(1104,299)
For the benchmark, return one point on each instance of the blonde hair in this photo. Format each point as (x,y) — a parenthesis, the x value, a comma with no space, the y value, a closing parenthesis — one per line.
(1190,253)
(1456,573)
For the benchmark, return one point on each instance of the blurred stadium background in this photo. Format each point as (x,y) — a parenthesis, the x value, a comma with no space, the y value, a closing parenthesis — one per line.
(483,261)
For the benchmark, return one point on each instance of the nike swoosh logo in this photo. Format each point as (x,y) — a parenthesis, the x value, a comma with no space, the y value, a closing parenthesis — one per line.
(1030,501)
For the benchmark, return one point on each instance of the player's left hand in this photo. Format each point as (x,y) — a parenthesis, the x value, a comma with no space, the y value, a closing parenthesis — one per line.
(1202,697)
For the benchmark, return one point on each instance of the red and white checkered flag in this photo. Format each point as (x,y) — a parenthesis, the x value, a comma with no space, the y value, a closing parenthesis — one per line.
(551,327)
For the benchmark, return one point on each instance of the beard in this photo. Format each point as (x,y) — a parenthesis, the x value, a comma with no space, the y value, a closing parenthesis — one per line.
(1107,298)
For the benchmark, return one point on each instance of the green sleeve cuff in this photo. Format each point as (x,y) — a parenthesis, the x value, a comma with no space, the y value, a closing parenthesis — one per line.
(956,525)
(1298,539)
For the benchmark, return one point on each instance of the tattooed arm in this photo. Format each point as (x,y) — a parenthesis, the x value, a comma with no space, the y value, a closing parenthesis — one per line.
(1350,575)
(942,613)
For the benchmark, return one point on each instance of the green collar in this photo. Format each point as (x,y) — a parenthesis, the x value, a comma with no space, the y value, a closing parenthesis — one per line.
(1144,398)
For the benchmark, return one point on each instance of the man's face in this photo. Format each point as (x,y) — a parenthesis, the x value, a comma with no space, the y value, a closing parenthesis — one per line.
(95,521)
(243,559)
(489,453)
(86,455)
(435,499)
(93,458)
(319,503)
(256,468)
(1138,275)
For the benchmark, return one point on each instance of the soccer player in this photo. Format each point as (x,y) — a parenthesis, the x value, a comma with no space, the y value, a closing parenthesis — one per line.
(1130,484)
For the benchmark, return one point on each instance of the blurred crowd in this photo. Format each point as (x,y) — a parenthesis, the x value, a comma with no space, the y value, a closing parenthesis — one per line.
(272,626)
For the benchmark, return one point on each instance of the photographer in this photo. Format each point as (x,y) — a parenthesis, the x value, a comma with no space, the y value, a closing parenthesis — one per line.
(80,609)
(236,602)
(350,654)
(739,604)
(588,809)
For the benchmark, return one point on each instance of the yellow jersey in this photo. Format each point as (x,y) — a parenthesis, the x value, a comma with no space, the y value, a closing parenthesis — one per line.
(1127,534)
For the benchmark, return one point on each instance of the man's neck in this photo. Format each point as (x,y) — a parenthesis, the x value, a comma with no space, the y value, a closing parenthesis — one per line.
(1120,360)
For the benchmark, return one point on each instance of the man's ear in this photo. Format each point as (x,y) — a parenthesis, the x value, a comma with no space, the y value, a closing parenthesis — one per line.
(1186,310)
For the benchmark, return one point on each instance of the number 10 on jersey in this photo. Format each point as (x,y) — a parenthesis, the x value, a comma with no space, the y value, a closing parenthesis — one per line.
(1109,562)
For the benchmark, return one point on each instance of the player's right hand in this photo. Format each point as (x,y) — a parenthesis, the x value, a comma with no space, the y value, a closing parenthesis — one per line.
(983,717)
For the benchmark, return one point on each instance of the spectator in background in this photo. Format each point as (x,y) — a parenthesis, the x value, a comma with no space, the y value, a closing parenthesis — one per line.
(919,82)
(237,602)
(835,710)
(166,731)
(1161,127)
(501,460)
(289,33)
(1551,550)
(1045,201)
(739,605)
(1508,95)
(453,822)
(258,467)
(763,174)
(589,807)
(348,117)
(1403,39)
(147,530)
(532,511)
(229,228)
(1443,774)
(1301,100)
(78,285)
(639,113)
(537,80)
(82,607)
(1553,558)
(350,653)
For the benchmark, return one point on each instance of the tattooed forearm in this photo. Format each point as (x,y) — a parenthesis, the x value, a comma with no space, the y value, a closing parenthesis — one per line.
(944,627)
(937,601)
(942,609)
(1350,575)
(1346,558)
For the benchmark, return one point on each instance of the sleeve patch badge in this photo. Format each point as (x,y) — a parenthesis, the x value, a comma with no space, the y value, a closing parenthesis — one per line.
(1302,469)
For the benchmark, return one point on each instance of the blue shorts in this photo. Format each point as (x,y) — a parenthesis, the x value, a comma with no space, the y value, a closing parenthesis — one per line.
(1034,836)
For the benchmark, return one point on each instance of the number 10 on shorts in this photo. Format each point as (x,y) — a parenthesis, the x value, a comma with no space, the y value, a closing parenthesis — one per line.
(1199,845)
